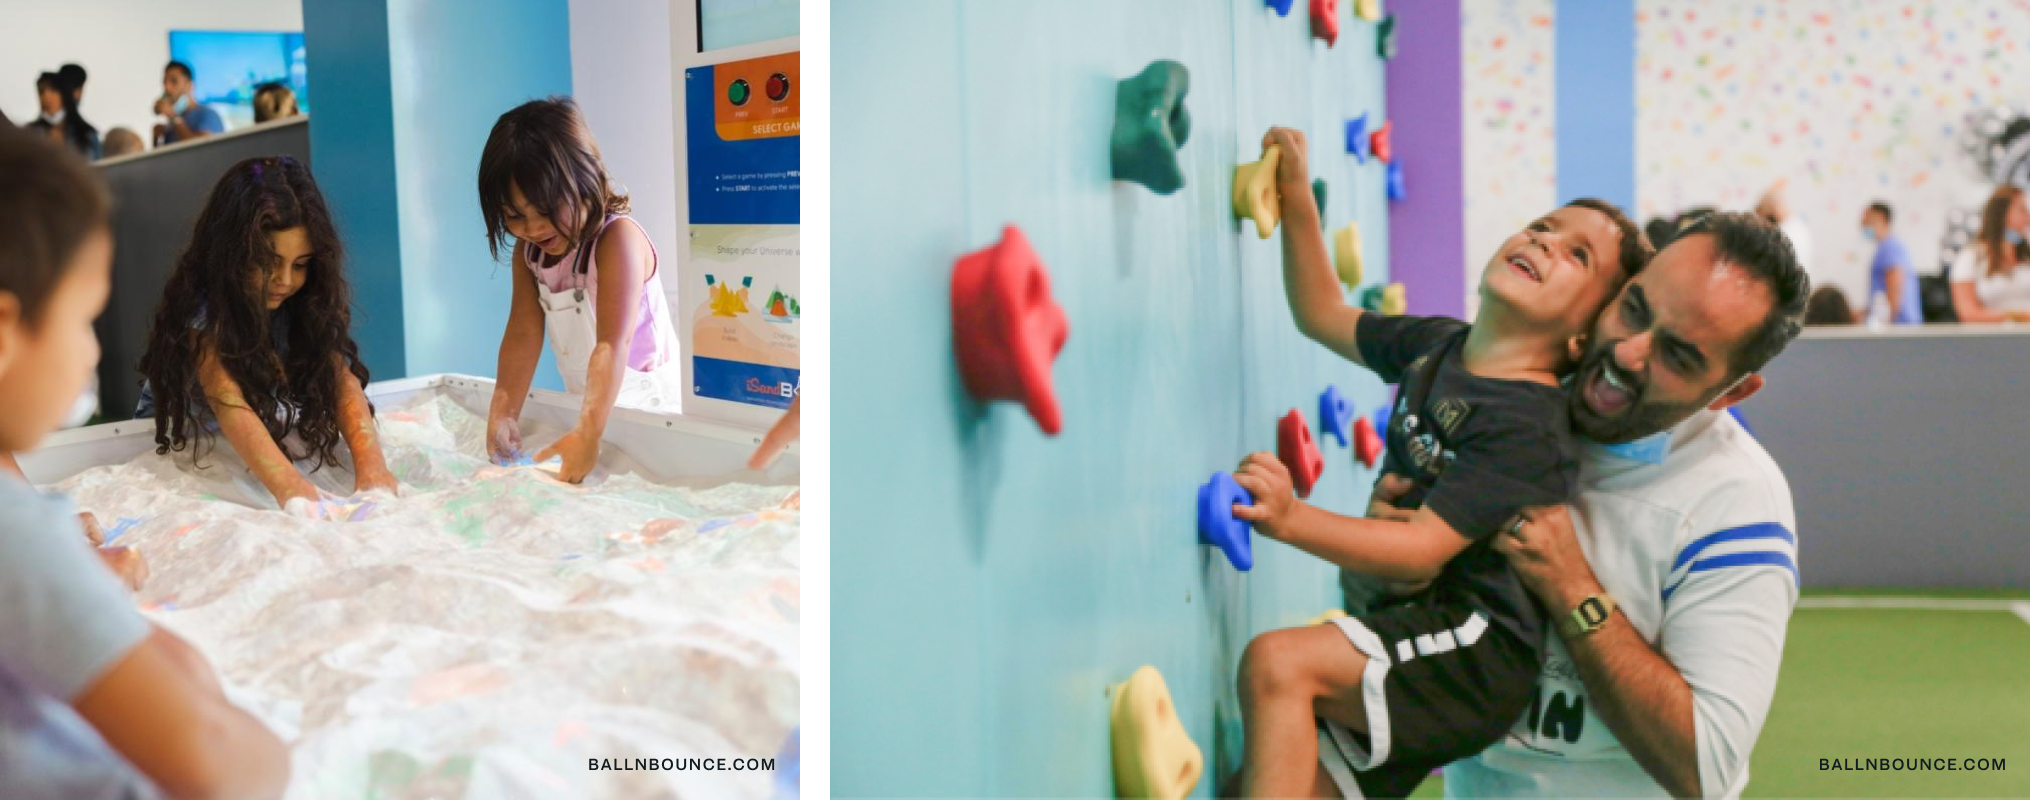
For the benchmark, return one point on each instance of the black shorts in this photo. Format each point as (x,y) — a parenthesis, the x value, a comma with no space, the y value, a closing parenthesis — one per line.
(1443,682)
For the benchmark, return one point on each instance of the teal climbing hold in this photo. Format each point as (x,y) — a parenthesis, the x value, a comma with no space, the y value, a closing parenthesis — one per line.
(1385,38)
(1318,192)
(1150,123)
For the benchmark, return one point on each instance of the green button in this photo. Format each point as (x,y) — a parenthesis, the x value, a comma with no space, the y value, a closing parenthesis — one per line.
(738,92)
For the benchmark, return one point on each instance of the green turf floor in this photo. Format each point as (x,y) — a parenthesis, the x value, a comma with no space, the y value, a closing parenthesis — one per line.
(1895,683)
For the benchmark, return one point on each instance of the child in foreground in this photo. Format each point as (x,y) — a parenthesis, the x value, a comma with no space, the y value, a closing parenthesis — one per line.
(95,701)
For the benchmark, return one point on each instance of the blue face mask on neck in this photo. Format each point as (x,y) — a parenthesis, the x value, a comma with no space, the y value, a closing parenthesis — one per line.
(182,104)
(1869,234)
(2015,237)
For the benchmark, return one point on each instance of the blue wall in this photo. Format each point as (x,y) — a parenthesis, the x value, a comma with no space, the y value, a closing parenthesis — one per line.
(460,65)
(352,153)
(994,582)
(407,91)
(1596,100)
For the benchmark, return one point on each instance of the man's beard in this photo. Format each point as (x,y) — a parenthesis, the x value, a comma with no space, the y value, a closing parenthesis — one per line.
(1641,418)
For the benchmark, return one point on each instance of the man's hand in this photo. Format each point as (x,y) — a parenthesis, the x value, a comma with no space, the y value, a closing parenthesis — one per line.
(1388,490)
(164,107)
(1265,477)
(1544,549)
(1293,173)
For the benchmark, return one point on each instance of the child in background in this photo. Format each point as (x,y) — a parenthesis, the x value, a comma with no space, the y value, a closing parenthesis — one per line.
(592,284)
(80,670)
(253,339)
(1481,427)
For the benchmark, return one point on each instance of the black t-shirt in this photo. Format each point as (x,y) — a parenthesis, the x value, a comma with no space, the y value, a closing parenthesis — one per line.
(1478,449)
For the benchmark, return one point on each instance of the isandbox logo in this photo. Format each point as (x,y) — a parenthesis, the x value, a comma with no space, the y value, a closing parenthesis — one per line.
(783,389)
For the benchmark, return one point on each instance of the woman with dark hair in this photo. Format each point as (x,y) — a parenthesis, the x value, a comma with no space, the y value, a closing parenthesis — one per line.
(253,339)
(60,120)
(274,101)
(1991,276)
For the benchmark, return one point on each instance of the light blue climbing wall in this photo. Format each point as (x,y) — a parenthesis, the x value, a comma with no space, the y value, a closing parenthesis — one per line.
(991,583)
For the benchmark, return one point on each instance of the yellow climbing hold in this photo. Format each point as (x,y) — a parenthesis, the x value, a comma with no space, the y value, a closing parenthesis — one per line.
(1153,755)
(1346,254)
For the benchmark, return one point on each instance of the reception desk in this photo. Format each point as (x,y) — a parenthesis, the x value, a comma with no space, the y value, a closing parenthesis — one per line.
(1906,450)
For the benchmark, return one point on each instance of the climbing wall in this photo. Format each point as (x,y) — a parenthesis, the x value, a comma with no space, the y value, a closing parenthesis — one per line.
(993,582)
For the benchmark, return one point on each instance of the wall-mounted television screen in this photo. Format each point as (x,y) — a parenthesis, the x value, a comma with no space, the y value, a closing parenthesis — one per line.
(230,65)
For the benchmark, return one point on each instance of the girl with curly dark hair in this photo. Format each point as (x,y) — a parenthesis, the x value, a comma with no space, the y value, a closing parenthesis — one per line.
(253,338)
(589,283)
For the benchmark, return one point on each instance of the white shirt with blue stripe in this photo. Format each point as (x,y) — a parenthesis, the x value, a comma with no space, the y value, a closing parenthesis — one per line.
(1693,533)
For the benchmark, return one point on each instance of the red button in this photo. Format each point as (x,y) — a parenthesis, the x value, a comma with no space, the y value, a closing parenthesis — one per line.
(778,87)
(1006,328)
(1298,452)
(1325,20)
(1367,445)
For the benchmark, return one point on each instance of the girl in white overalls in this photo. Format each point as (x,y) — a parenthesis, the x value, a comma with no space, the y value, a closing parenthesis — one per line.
(541,182)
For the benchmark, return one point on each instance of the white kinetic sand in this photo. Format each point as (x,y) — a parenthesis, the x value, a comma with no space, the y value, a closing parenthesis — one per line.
(490,632)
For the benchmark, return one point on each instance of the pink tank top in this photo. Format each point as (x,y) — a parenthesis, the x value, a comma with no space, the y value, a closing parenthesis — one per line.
(654,340)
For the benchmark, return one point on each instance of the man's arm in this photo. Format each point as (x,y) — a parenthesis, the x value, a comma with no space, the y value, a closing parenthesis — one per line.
(1690,712)
(1894,280)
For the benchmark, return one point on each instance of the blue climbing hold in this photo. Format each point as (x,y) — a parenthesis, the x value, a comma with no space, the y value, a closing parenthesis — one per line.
(1335,415)
(1381,419)
(1356,138)
(1396,191)
(1217,525)
(1282,7)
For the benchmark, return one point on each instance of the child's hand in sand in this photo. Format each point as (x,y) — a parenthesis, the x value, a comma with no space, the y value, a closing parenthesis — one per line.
(504,441)
(94,532)
(126,562)
(1293,172)
(580,452)
(376,480)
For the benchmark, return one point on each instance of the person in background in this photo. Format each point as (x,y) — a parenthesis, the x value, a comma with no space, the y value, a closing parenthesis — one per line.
(1775,207)
(274,101)
(60,120)
(1991,277)
(95,700)
(1828,306)
(1891,278)
(74,77)
(122,142)
(188,118)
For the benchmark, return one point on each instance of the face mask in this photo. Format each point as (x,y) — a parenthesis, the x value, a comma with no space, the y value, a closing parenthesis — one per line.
(1868,233)
(2015,237)
(54,117)
(182,104)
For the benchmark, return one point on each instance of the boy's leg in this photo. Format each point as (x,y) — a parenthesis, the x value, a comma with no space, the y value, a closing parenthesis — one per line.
(1287,679)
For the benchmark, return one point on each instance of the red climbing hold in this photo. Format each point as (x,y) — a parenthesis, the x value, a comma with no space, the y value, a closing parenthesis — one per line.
(1298,452)
(1378,143)
(1367,445)
(1006,328)
(1325,20)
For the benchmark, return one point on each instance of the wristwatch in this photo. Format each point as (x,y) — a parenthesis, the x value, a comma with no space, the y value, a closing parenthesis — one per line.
(1589,616)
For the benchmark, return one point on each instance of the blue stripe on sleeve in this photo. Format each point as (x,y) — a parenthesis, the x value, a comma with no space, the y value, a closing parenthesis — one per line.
(1760,530)
(1752,559)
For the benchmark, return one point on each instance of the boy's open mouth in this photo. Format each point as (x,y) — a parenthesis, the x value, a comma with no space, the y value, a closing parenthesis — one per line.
(1524,266)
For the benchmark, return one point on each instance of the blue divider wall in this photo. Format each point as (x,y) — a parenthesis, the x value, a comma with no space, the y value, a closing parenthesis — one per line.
(992,583)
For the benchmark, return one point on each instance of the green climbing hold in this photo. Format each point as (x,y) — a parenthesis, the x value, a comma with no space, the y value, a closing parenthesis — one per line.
(1318,192)
(1385,38)
(1150,123)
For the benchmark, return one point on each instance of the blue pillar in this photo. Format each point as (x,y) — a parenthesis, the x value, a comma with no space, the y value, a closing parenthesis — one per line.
(407,91)
(1596,100)
(352,153)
